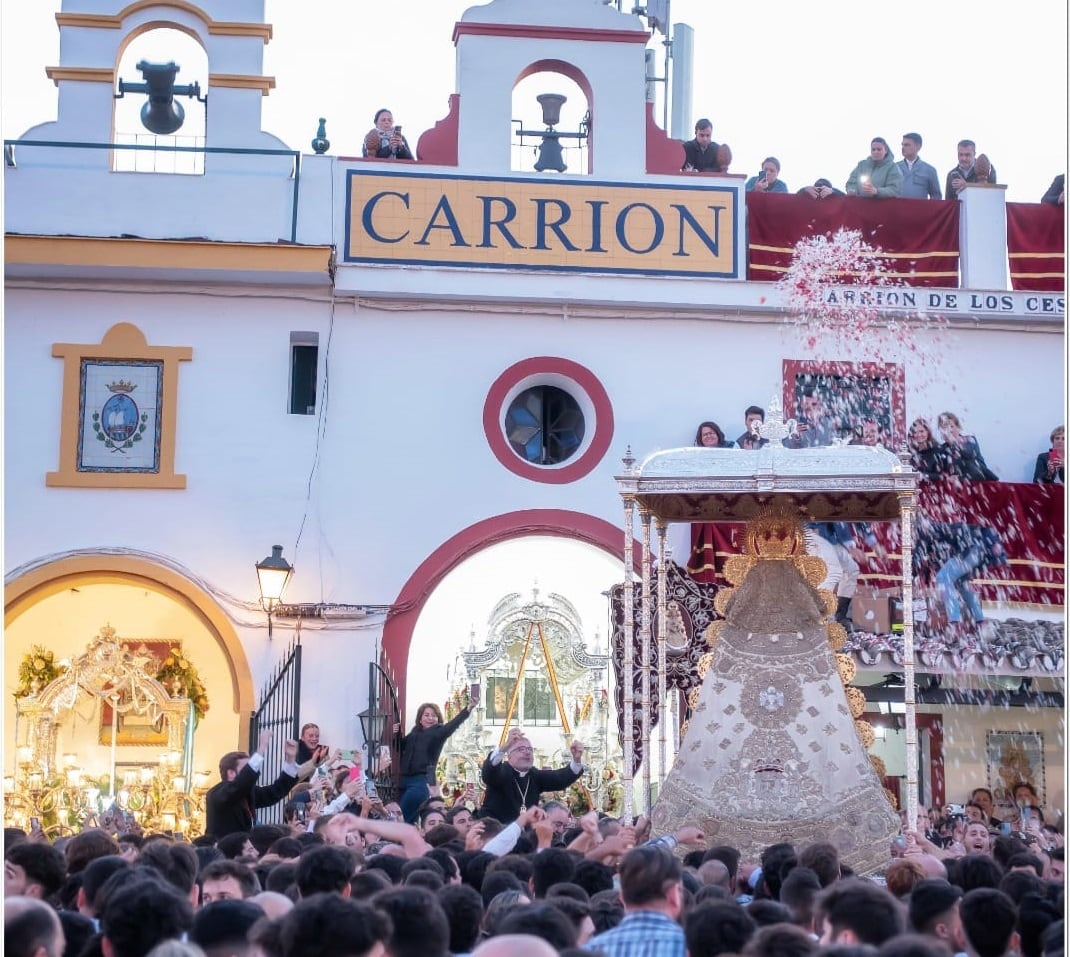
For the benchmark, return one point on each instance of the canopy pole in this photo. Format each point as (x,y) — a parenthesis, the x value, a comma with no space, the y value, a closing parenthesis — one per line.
(646,666)
(664,716)
(628,691)
(906,508)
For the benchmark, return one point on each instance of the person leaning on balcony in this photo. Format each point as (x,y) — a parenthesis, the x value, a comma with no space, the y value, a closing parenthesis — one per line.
(822,189)
(700,154)
(963,451)
(971,169)
(920,179)
(385,141)
(877,176)
(1051,465)
(767,181)
(710,436)
(1056,194)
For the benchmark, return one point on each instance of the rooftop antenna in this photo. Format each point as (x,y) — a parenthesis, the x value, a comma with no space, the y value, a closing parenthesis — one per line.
(658,18)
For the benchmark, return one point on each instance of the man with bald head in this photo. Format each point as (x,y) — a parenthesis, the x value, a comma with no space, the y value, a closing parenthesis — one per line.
(31,929)
(514,945)
(716,873)
(515,785)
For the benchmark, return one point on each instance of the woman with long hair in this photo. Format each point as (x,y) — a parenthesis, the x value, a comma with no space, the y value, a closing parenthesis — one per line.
(420,750)
(926,455)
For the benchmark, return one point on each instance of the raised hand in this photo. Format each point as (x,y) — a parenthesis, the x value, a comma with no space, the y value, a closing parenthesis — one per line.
(264,742)
(289,751)
(577,751)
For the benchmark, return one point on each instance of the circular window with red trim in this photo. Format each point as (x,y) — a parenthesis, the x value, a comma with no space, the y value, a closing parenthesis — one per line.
(548,419)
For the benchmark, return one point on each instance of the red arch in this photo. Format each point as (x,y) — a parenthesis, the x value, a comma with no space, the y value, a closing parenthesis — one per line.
(559,523)
(577,76)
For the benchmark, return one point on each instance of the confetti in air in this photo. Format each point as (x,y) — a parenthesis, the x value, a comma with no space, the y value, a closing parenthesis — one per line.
(846,303)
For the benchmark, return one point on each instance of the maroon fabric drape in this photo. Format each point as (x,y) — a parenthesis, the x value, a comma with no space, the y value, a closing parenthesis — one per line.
(919,238)
(1028,517)
(1036,246)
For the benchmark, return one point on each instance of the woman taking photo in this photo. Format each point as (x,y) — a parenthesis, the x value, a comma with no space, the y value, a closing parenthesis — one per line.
(420,750)
(385,141)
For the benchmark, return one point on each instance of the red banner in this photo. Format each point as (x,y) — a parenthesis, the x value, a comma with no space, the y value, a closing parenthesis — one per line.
(919,239)
(1036,246)
(1029,519)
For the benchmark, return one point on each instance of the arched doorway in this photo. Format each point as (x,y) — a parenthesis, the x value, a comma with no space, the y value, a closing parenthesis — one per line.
(61,605)
(413,597)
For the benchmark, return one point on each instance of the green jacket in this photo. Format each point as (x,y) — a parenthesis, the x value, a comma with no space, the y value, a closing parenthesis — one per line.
(885,175)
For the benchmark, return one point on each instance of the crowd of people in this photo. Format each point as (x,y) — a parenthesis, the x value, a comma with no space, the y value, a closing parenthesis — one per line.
(522,876)
(878,176)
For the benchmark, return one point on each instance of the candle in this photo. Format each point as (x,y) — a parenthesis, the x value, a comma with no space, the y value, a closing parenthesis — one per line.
(147,774)
(179,784)
(62,815)
(200,779)
(9,784)
(36,780)
(167,819)
(70,760)
(74,777)
(25,754)
(129,778)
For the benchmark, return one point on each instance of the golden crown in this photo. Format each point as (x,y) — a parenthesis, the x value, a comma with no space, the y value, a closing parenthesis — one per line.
(121,386)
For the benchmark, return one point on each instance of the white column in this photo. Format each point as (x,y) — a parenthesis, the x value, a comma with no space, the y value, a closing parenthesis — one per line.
(983,236)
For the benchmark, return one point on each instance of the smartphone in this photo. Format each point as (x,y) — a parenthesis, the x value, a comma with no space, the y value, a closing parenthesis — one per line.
(35,824)
(397,129)
(1005,827)
(369,789)
(354,774)
(474,692)
(347,754)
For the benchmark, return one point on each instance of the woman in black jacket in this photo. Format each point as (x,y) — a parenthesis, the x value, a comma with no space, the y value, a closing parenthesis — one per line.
(967,462)
(420,750)
(1050,468)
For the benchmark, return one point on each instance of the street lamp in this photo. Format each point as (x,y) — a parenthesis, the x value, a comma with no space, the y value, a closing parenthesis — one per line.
(273,574)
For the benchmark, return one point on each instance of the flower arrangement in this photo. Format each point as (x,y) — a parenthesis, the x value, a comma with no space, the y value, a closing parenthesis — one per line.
(181,679)
(37,669)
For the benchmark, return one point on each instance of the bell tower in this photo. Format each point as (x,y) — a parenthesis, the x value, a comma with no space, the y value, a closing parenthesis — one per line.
(599,48)
(94,34)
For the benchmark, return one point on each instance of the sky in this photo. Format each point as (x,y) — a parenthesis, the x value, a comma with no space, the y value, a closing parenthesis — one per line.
(811,84)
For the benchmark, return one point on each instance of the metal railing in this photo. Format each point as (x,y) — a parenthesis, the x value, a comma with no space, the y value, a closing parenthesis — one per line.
(295,155)
(280,713)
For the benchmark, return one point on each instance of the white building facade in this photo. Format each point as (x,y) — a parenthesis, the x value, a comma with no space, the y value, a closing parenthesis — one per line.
(427,297)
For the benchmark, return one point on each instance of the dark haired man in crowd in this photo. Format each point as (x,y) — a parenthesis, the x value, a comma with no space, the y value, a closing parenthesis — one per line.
(229,805)
(651,887)
(856,911)
(33,870)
